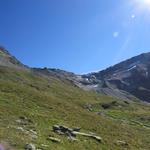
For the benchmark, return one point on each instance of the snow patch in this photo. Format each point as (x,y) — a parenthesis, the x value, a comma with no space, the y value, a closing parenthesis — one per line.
(133,67)
(146,73)
(86,79)
(95,86)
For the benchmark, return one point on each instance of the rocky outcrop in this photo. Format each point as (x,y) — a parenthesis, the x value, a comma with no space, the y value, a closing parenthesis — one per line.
(73,132)
(30,147)
(6,59)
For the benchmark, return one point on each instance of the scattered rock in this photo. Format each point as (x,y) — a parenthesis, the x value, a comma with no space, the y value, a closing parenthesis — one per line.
(73,132)
(127,102)
(72,138)
(88,107)
(99,139)
(63,130)
(30,132)
(101,114)
(30,147)
(23,118)
(119,106)
(121,143)
(20,129)
(76,129)
(18,121)
(109,105)
(44,145)
(33,136)
(106,106)
(33,132)
(56,140)
(24,121)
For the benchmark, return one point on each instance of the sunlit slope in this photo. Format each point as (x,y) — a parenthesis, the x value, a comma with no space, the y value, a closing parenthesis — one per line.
(49,101)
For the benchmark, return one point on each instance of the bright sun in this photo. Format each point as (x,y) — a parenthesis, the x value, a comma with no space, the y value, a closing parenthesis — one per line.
(142,4)
(147,1)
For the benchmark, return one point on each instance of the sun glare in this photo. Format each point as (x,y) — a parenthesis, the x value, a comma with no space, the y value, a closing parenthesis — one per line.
(146,2)
(143,3)
(141,6)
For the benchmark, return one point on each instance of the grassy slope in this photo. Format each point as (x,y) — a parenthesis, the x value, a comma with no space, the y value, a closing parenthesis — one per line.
(48,102)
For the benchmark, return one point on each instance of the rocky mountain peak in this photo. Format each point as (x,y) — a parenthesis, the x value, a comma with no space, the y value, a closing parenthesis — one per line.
(125,79)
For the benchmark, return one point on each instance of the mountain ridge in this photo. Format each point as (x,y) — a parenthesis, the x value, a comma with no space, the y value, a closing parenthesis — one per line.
(128,76)
(126,80)
(6,59)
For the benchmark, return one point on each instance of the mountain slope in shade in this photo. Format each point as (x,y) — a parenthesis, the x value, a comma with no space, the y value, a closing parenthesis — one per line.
(125,80)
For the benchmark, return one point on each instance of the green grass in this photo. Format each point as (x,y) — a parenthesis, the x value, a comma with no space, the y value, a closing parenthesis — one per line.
(50,101)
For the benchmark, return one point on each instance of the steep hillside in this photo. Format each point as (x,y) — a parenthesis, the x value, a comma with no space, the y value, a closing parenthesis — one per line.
(32,101)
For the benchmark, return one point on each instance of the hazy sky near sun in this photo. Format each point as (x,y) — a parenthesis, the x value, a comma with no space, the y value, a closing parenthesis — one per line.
(75,35)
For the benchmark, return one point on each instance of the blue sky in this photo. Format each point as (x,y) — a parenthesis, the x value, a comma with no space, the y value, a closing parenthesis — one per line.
(75,35)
